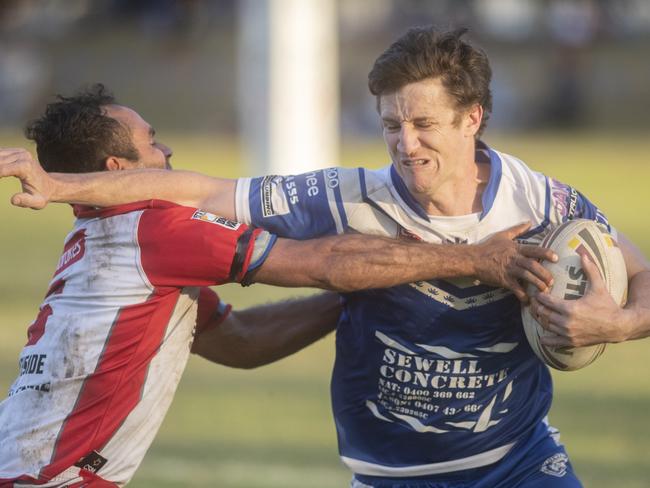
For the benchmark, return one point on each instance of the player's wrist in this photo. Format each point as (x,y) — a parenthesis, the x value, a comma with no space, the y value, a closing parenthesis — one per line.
(634,323)
(474,262)
(61,188)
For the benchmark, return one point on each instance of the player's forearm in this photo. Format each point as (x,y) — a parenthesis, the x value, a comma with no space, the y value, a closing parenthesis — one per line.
(355,262)
(637,309)
(387,262)
(261,335)
(118,187)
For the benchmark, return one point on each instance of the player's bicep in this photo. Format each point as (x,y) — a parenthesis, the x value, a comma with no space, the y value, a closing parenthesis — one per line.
(216,195)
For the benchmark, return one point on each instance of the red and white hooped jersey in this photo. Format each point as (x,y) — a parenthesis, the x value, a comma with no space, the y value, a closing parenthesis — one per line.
(112,337)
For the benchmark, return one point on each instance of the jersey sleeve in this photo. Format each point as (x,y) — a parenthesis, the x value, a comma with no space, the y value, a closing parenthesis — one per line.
(182,246)
(567,203)
(299,206)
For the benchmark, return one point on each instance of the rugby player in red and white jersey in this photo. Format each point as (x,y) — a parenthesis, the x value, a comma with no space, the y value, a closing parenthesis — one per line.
(129,293)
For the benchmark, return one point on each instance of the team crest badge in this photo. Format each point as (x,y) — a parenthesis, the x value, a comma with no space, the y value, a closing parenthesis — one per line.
(556,465)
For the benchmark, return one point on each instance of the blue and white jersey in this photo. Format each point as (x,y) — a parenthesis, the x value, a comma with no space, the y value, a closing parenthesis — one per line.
(434,376)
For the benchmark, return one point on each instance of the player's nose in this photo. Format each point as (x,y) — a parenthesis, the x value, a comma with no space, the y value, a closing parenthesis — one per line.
(408,141)
(166,150)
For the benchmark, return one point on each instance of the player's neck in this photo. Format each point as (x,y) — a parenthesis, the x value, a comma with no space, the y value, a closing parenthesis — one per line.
(461,195)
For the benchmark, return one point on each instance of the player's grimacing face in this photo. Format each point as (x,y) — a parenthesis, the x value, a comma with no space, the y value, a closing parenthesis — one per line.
(425,135)
(153,154)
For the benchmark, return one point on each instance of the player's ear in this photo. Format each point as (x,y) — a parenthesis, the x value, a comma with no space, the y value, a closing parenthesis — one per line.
(112,164)
(472,120)
(116,164)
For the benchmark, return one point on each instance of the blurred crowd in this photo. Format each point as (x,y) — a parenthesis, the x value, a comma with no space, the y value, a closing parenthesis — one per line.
(557,63)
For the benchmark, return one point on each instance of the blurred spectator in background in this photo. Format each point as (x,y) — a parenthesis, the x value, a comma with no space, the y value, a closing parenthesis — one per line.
(572,27)
(46,46)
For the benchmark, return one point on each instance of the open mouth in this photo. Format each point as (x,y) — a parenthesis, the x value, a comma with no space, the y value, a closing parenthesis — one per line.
(409,163)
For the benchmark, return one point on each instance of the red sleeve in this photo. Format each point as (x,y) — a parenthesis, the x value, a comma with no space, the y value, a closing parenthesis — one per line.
(182,246)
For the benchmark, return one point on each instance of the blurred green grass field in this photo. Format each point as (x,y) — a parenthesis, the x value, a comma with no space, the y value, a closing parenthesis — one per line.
(272,427)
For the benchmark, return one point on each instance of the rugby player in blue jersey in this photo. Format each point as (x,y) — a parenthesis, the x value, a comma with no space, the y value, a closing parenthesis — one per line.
(434,383)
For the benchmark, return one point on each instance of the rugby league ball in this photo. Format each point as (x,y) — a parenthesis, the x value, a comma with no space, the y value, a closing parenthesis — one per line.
(569,241)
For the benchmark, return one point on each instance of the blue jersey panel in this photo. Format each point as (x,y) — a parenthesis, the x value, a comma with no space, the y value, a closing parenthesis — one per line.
(537,461)
(418,382)
(298,207)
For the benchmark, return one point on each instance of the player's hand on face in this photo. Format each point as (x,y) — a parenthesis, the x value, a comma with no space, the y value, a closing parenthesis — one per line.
(36,183)
(593,319)
(504,262)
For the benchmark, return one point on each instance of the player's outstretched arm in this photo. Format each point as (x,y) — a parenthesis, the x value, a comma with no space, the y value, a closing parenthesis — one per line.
(261,335)
(109,188)
(596,318)
(358,262)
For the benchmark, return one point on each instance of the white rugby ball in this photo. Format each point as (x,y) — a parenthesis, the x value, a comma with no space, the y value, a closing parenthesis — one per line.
(569,241)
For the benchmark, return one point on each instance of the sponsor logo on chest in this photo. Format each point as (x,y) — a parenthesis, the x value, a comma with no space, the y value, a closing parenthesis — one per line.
(73,251)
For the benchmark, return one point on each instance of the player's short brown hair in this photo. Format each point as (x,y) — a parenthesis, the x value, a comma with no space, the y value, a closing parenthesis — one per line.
(75,135)
(423,53)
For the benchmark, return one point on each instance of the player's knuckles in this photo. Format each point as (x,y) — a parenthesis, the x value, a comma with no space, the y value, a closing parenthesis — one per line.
(515,262)
(534,308)
(526,263)
(542,275)
(543,320)
(572,339)
(537,284)
(17,168)
(538,269)
(530,277)
(534,252)
(571,322)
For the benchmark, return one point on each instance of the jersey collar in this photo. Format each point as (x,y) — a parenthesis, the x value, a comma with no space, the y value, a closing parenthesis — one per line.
(86,212)
(485,153)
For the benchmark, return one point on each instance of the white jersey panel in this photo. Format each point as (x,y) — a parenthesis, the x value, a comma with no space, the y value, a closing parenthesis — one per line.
(127,447)
(74,335)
